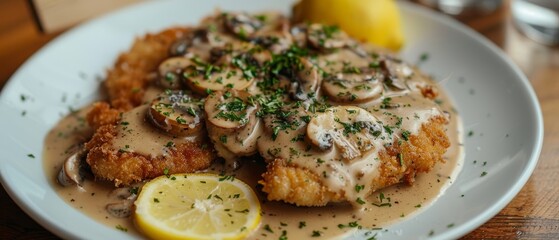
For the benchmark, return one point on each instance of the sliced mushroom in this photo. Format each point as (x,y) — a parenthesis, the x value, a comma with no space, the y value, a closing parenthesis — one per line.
(205,78)
(357,49)
(262,57)
(326,37)
(221,55)
(395,74)
(356,87)
(232,121)
(180,46)
(275,42)
(170,72)
(199,42)
(299,34)
(350,130)
(122,209)
(245,60)
(306,81)
(74,170)
(121,193)
(177,113)
(242,24)
(124,199)
(274,35)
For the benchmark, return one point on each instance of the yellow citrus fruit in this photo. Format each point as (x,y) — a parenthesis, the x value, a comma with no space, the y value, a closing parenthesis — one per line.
(197,206)
(374,21)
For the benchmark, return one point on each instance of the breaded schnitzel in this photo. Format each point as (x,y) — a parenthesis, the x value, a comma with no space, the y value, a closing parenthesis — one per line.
(124,166)
(335,119)
(285,181)
(127,81)
(126,84)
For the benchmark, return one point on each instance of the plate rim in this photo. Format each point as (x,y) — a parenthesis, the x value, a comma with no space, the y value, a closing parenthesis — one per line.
(493,210)
(456,232)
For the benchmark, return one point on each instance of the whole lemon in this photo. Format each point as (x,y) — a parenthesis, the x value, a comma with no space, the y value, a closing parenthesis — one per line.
(374,21)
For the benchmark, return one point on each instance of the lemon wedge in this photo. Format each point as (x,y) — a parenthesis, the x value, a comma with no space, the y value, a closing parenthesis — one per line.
(197,206)
(374,21)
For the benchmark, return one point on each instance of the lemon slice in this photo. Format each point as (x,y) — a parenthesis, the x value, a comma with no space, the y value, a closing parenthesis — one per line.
(197,206)
(374,21)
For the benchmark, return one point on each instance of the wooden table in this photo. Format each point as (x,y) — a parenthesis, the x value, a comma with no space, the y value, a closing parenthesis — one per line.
(533,214)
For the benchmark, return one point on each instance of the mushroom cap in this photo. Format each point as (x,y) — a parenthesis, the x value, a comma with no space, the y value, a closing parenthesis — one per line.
(306,81)
(232,122)
(170,72)
(350,130)
(177,113)
(74,170)
(353,87)
(242,25)
(205,78)
(326,37)
(230,109)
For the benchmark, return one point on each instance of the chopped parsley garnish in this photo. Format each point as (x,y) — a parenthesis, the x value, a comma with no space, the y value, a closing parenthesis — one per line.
(242,211)
(227,177)
(383,201)
(134,190)
(386,103)
(223,138)
(360,201)
(233,110)
(191,111)
(283,235)
(424,57)
(316,233)
(121,228)
(388,129)
(350,224)
(358,188)
(268,228)
(180,120)
(329,30)
(406,135)
(431,233)
(229,116)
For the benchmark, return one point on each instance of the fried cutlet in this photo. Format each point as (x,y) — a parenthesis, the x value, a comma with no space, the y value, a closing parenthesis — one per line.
(131,74)
(125,168)
(285,181)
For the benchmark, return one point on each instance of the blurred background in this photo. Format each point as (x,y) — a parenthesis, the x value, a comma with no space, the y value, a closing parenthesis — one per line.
(526,30)
(27,25)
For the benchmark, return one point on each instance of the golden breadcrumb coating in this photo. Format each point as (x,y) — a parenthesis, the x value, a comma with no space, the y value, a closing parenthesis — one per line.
(287,182)
(125,84)
(129,77)
(125,168)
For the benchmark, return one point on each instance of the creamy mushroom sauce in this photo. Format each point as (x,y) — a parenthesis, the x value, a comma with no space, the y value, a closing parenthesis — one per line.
(347,73)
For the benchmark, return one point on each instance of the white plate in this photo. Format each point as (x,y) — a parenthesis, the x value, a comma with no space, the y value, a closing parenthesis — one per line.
(494,98)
